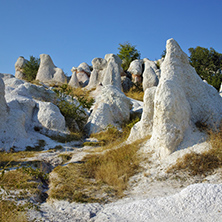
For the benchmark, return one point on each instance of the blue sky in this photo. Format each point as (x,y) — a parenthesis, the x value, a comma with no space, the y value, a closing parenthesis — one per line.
(72,32)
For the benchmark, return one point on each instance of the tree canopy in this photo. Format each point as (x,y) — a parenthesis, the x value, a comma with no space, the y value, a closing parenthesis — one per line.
(128,53)
(208,64)
(31,68)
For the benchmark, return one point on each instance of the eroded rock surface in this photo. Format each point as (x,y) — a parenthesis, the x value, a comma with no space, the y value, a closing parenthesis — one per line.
(48,72)
(112,107)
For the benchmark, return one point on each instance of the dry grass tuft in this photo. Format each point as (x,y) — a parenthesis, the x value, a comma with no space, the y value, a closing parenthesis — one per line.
(112,136)
(136,92)
(204,163)
(98,178)
(11,212)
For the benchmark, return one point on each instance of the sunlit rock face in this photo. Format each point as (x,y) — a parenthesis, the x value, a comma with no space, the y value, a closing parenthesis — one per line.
(181,99)
(48,72)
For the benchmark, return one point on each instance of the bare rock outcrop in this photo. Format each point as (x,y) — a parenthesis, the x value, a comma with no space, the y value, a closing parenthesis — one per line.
(112,107)
(74,82)
(48,72)
(182,99)
(99,65)
(145,126)
(150,78)
(112,73)
(19,65)
(135,69)
(22,113)
(83,74)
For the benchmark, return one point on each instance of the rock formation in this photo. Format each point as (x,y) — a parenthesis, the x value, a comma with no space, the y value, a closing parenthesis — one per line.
(22,113)
(112,73)
(150,78)
(112,107)
(96,77)
(135,69)
(182,99)
(74,82)
(48,72)
(145,126)
(83,74)
(20,63)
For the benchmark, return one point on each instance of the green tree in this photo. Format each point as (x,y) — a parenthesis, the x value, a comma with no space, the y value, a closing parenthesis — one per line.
(208,64)
(128,53)
(31,68)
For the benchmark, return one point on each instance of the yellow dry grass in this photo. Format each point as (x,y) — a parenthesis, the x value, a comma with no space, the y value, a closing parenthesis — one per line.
(202,163)
(98,177)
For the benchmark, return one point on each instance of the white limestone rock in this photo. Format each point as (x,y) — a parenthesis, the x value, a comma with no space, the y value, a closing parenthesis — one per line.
(96,76)
(20,114)
(83,74)
(112,73)
(48,72)
(99,63)
(50,117)
(74,82)
(181,100)
(112,107)
(220,91)
(19,65)
(135,69)
(145,126)
(150,78)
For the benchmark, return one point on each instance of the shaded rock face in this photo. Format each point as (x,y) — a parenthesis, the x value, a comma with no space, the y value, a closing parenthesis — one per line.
(83,74)
(96,77)
(48,72)
(220,91)
(181,100)
(135,69)
(19,65)
(112,107)
(112,73)
(150,78)
(74,82)
(126,83)
(3,105)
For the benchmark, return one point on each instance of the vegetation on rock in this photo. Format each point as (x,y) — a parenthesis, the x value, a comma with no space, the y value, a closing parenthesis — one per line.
(208,64)
(128,53)
(30,68)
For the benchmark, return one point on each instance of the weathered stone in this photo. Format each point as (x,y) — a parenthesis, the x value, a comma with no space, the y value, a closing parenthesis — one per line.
(50,117)
(126,83)
(99,63)
(135,69)
(19,65)
(145,126)
(74,82)
(48,72)
(150,78)
(182,99)
(112,73)
(83,74)
(96,77)
(112,107)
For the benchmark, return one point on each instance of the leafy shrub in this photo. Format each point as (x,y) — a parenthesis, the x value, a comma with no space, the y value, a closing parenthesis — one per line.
(128,53)
(30,69)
